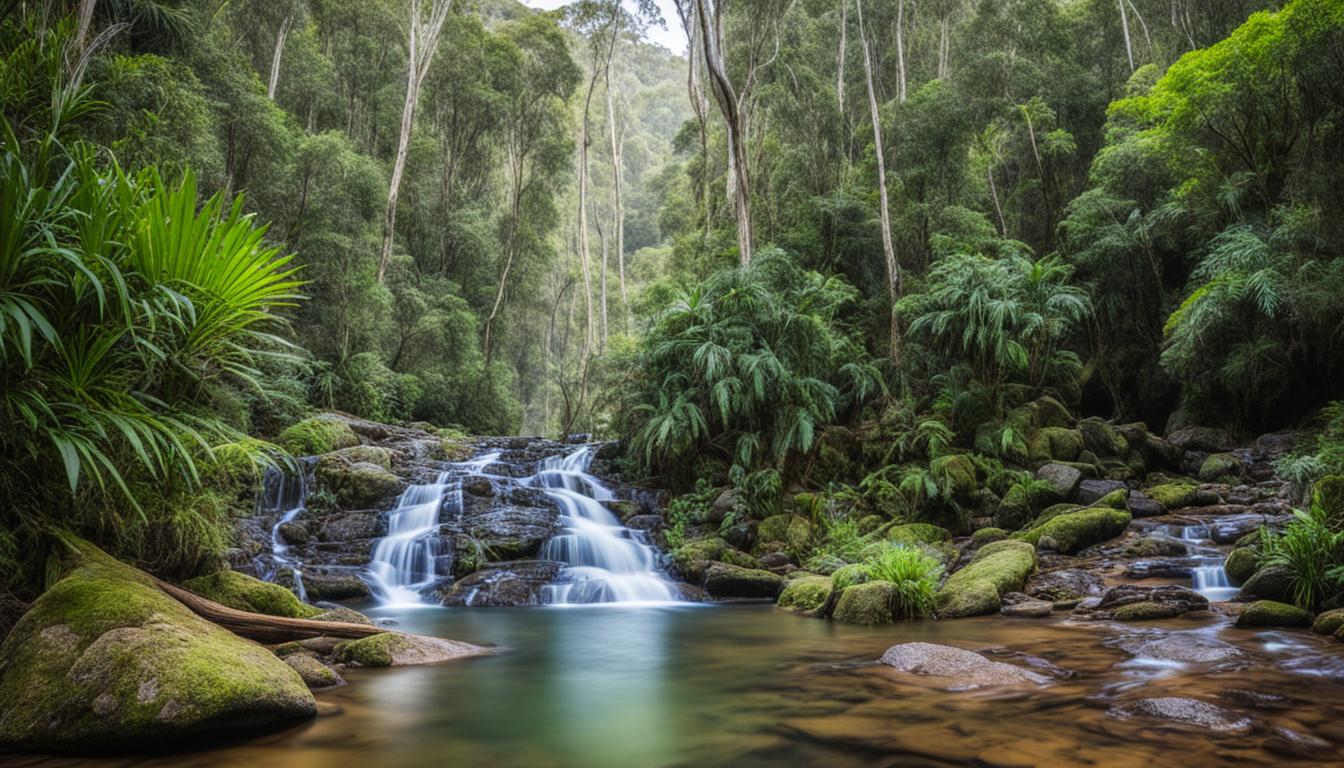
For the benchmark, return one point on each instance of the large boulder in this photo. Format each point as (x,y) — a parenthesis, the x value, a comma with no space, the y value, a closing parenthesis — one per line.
(245,593)
(1132,602)
(723,580)
(317,435)
(1241,564)
(868,604)
(693,559)
(976,589)
(1063,479)
(1069,533)
(334,586)
(511,531)
(805,593)
(1103,439)
(788,533)
(1273,582)
(1269,613)
(1218,466)
(1065,586)
(1090,491)
(357,484)
(1173,496)
(1054,444)
(105,660)
(960,669)
(1329,622)
(1021,503)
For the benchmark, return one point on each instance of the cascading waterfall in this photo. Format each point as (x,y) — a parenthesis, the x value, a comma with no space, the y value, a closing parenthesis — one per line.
(405,561)
(1209,578)
(605,561)
(286,496)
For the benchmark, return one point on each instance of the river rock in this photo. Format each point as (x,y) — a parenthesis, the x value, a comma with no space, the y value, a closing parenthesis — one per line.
(1191,647)
(1132,602)
(995,570)
(334,586)
(1273,582)
(724,580)
(1241,564)
(245,593)
(1029,608)
(504,585)
(351,526)
(1071,532)
(358,484)
(395,649)
(1063,479)
(805,593)
(960,668)
(315,674)
(105,660)
(1268,613)
(1091,490)
(1065,585)
(1142,506)
(1184,711)
(1329,622)
(511,532)
(868,604)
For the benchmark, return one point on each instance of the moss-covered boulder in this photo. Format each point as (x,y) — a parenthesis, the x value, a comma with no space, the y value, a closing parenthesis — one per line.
(1116,499)
(1054,444)
(1102,439)
(868,604)
(1269,613)
(395,649)
(315,674)
(1173,495)
(357,484)
(805,593)
(987,536)
(1072,532)
(1218,466)
(1241,564)
(976,589)
(959,475)
(1273,582)
(237,590)
(693,559)
(1328,623)
(788,533)
(1063,479)
(1021,503)
(918,533)
(724,580)
(317,435)
(105,660)
(335,586)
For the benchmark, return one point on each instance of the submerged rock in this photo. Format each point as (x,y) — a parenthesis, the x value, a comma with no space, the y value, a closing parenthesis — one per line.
(105,660)
(1131,602)
(1192,647)
(1184,711)
(962,669)
(1029,608)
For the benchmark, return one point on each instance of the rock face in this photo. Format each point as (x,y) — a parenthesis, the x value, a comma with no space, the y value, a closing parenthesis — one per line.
(504,585)
(961,669)
(104,660)
(976,589)
(1185,711)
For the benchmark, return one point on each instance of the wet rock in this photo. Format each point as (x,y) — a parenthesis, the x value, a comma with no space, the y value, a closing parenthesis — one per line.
(511,532)
(340,613)
(358,484)
(987,536)
(1190,647)
(478,486)
(1226,530)
(1207,439)
(1063,479)
(503,585)
(960,668)
(776,561)
(1155,546)
(1268,613)
(723,580)
(805,593)
(1091,490)
(1241,564)
(1274,582)
(1172,496)
(334,586)
(1142,506)
(1184,711)
(1131,602)
(868,604)
(1329,622)
(1065,585)
(315,674)
(1257,699)
(1159,568)
(643,522)
(996,569)
(395,649)
(1029,608)
(351,526)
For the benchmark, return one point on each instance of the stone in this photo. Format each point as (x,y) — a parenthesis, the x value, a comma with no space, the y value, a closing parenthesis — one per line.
(358,484)
(1172,496)
(1075,531)
(1054,444)
(395,649)
(334,586)
(959,476)
(1142,506)
(1065,585)
(294,533)
(1029,609)
(1241,564)
(503,585)
(1091,491)
(1155,546)
(1187,647)
(1062,478)
(918,533)
(693,559)
(315,674)
(105,660)
(1220,465)
(723,506)
(509,531)
(805,593)
(1132,602)
(317,435)
(1102,438)
(867,604)
(1269,613)
(1273,582)
(1329,622)
(976,589)
(724,580)
(245,593)
(987,536)
(1207,439)
(789,532)
(1184,711)
(960,668)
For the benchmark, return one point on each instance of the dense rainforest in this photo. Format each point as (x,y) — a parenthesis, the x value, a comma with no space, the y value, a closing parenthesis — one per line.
(842,279)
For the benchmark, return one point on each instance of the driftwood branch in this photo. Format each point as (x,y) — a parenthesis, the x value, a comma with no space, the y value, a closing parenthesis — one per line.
(263,628)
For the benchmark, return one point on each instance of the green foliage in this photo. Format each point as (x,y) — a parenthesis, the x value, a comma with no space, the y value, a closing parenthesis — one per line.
(1312,550)
(915,575)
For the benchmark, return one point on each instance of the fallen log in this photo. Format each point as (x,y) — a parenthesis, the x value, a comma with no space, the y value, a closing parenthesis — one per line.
(259,626)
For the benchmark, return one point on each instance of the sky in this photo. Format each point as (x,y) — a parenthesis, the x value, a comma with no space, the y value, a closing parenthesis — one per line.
(669,36)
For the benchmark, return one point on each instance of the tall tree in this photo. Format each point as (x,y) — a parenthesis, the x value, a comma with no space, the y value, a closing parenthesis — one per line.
(884,208)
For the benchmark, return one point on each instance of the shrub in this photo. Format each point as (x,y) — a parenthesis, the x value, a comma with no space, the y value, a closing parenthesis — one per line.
(1312,551)
(915,575)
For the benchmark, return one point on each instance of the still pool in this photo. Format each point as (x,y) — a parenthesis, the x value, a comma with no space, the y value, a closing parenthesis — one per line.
(749,685)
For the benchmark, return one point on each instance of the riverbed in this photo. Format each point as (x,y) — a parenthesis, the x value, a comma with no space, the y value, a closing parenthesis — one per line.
(751,685)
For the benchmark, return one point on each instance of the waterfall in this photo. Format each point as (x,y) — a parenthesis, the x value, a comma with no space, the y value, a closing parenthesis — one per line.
(286,496)
(405,561)
(605,561)
(1209,577)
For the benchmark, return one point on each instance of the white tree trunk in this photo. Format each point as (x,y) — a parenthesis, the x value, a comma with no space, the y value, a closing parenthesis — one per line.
(900,50)
(888,249)
(1124,26)
(711,29)
(279,53)
(840,57)
(618,225)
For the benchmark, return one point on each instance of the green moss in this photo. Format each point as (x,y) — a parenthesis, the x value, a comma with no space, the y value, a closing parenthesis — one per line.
(315,674)
(1268,613)
(849,575)
(367,454)
(694,557)
(987,536)
(317,435)
(1218,466)
(959,475)
(918,533)
(805,593)
(104,659)
(997,568)
(372,651)
(790,532)
(1117,499)
(1241,564)
(245,593)
(1075,531)
(1103,439)
(1328,623)
(1146,611)
(1053,511)
(868,604)
(1173,495)
(1054,444)
(724,580)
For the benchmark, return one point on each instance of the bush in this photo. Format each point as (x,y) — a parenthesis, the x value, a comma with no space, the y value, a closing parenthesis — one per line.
(915,575)
(1312,551)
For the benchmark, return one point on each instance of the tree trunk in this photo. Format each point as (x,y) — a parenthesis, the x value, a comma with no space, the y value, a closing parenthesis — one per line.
(888,249)
(711,29)
(516,161)
(82,27)
(900,50)
(602,279)
(275,57)
(618,224)
(840,58)
(944,44)
(260,627)
(1124,26)
(422,41)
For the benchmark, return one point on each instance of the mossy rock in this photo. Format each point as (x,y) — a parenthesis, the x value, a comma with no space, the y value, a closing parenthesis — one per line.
(358,484)
(1075,531)
(1102,439)
(315,674)
(1019,505)
(317,435)
(1220,465)
(335,586)
(805,593)
(960,475)
(1328,623)
(1173,495)
(1053,511)
(1117,499)
(1328,493)
(1272,582)
(1241,564)
(694,558)
(343,615)
(1054,444)
(868,604)
(918,533)
(1268,613)
(105,660)
(976,589)
(1044,411)
(791,532)
(987,536)
(396,649)
(367,454)
(723,580)
(1146,610)
(240,591)
(1155,546)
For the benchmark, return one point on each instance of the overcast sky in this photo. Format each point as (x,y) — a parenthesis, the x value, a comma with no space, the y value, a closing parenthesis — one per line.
(669,36)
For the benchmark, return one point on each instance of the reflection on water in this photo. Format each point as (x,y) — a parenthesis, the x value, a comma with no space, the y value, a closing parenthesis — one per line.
(747,685)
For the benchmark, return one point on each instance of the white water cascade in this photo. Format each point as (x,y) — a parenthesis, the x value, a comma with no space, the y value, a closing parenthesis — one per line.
(287,496)
(1209,578)
(605,561)
(404,561)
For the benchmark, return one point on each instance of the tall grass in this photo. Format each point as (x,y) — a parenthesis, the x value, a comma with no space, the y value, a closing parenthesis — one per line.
(1312,550)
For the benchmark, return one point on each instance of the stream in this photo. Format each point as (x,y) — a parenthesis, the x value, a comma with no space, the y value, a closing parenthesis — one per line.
(746,684)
